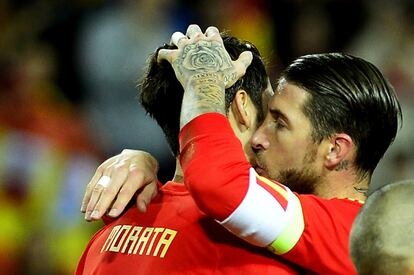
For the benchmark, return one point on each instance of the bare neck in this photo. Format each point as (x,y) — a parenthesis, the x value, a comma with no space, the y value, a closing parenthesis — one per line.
(343,184)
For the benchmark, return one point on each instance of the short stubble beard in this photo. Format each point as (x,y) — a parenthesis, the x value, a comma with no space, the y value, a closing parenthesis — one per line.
(302,181)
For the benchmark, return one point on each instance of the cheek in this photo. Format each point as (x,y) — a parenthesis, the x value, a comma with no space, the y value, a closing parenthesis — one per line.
(284,154)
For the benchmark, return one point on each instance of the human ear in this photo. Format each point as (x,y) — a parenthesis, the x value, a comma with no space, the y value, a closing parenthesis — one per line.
(339,149)
(241,111)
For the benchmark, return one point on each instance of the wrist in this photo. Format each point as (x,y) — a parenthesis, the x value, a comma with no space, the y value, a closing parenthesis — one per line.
(201,99)
(202,81)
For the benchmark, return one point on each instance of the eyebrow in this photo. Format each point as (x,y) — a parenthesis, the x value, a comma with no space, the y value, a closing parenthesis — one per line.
(278,113)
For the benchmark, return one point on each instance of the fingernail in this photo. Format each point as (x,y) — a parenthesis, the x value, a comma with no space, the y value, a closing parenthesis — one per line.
(88,215)
(83,208)
(113,212)
(95,214)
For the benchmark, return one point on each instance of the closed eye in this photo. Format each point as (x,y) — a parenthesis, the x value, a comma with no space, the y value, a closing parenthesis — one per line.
(280,119)
(279,124)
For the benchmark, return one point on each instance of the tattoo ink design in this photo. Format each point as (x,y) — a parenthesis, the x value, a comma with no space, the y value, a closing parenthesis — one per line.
(206,56)
(343,165)
(204,68)
(205,59)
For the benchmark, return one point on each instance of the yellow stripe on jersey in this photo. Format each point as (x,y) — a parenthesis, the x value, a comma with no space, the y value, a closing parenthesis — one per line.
(350,199)
(293,230)
(274,186)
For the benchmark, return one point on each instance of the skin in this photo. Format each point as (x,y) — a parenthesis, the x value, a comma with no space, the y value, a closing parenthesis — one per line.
(243,119)
(283,143)
(204,69)
(208,97)
(289,154)
(283,147)
(286,152)
(384,226)
(136,167)
(129,171)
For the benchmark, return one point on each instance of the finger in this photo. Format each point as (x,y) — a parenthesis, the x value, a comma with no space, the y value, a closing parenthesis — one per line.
(243,62)
(109,193)
(146,195)
(211,31)
(95,194)
(98,174)
(88,192)
(165,54)
(245,59)
(133,182)
(102,183)
(193,30)
(177,38)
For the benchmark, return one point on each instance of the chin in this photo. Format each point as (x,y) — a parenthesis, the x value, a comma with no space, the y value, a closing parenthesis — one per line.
(301,181)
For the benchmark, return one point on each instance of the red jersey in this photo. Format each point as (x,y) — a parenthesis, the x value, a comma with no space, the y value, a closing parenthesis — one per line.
(306,230)
(173,237)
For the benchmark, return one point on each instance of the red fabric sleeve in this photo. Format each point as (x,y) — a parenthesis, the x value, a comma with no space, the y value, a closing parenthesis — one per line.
(217,176)
(217,182)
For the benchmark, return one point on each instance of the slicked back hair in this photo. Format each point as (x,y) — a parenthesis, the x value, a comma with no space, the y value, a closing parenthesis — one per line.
(348,95)
(161,93)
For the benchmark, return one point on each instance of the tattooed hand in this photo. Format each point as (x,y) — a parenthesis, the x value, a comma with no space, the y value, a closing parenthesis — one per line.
(204,69)
(204,56)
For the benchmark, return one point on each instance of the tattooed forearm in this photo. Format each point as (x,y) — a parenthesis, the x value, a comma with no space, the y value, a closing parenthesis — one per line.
(203,98)
(204,68)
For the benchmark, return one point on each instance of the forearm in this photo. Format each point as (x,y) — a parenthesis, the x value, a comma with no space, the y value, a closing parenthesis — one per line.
(304,229)
(210,181)
(204,94)
(225,187)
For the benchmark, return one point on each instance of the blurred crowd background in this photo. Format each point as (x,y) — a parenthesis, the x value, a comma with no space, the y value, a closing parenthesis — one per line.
(68,95)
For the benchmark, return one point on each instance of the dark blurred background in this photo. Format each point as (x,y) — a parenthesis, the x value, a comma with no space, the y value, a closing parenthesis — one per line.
(68,96)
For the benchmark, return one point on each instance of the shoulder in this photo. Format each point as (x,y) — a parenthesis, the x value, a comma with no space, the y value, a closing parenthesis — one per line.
(337,210)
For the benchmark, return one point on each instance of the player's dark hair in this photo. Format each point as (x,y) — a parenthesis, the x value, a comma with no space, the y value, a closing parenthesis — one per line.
(348,95)
(161,93)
